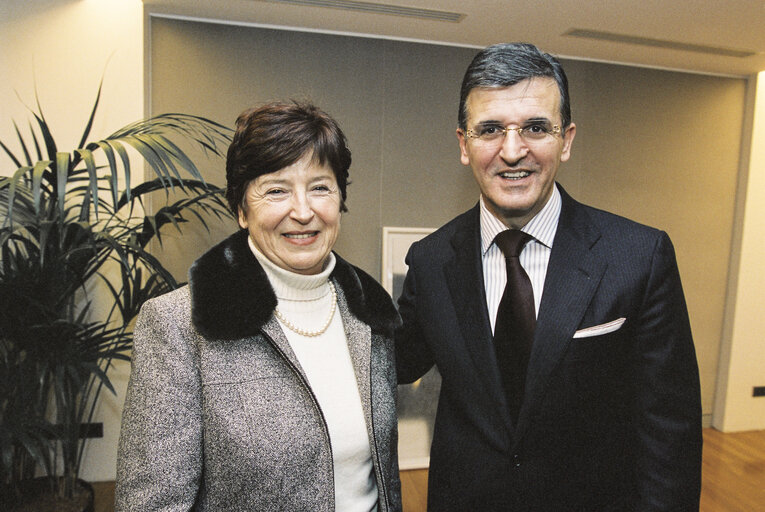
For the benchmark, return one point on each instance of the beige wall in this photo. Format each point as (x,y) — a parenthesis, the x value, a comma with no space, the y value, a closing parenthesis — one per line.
(66,46)
(62,49)
(742,354)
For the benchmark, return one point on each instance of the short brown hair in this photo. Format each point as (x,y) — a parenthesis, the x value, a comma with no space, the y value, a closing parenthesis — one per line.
(273,136)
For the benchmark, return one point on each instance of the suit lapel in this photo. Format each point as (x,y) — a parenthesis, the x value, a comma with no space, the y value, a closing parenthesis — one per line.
(573,275)
(464,277)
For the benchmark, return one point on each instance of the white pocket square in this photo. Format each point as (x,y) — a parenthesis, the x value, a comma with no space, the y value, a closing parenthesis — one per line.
(599,330)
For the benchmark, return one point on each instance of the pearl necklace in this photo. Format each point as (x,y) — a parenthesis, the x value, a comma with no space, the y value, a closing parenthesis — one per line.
(322,329)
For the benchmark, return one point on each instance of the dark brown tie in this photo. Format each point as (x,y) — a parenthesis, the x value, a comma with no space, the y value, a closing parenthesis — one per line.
(516,320)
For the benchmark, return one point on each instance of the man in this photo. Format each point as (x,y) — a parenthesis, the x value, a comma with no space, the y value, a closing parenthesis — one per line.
(597,406)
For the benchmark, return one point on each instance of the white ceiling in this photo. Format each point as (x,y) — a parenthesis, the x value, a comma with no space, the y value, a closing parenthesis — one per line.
(684,30)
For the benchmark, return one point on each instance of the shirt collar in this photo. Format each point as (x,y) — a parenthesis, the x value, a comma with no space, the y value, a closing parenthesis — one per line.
(542,226)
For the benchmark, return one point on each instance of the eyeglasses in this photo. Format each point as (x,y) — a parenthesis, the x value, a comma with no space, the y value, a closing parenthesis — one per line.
(493,135)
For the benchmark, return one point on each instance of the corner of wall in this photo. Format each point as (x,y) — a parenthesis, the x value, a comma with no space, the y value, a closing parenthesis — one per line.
(742,357)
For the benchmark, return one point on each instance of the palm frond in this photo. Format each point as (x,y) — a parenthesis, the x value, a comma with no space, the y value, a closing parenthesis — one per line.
(8,152)
(47,136)
(89,125)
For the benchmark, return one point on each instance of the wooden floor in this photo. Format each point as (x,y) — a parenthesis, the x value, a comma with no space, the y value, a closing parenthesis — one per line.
(733,477)
(733,472)
(104,496)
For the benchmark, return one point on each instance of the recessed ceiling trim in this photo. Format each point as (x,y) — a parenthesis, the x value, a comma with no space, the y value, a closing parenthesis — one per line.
(658,43)
(377,8)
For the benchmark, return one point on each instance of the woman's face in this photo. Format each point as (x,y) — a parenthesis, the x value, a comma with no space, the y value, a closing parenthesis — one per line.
(293,215)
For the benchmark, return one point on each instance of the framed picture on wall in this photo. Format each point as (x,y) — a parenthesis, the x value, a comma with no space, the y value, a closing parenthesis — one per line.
(417,402)
(395,244)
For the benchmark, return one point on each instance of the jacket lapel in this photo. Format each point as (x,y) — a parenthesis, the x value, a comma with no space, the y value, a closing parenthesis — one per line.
(573,275)
(273,330)
(359,338)
(464,277)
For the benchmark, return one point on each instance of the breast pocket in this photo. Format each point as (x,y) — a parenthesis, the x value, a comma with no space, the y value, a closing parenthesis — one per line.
(597,371)
(601,350)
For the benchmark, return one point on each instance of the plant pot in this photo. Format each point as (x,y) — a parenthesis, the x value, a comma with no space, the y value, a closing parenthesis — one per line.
(39,495)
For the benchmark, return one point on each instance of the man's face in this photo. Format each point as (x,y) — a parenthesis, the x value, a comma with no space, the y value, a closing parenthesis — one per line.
(516,175)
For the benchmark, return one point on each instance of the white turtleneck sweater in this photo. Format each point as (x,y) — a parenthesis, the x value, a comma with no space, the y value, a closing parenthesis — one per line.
(306,300)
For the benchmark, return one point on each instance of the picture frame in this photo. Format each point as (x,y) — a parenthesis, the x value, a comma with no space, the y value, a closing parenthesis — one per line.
(417,402)
(395,244)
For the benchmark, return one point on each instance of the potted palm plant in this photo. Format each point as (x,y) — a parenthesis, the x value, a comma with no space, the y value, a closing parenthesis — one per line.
(75,268)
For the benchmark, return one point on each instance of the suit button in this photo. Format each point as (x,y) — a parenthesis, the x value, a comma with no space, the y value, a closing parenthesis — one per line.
(517,460)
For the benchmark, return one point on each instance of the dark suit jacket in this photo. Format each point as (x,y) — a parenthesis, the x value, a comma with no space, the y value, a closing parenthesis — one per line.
(608,422)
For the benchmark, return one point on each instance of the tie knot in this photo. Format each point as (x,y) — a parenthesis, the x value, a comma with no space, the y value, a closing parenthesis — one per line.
(511,242)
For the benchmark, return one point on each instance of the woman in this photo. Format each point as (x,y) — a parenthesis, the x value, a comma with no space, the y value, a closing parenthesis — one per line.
(267,383)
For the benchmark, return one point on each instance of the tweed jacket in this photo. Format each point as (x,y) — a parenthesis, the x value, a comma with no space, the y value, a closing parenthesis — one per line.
(219,414)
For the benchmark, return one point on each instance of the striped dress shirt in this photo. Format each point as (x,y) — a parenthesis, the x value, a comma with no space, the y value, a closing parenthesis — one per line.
(534,257)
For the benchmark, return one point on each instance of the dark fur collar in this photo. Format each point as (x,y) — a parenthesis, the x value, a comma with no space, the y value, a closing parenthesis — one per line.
(231,297)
